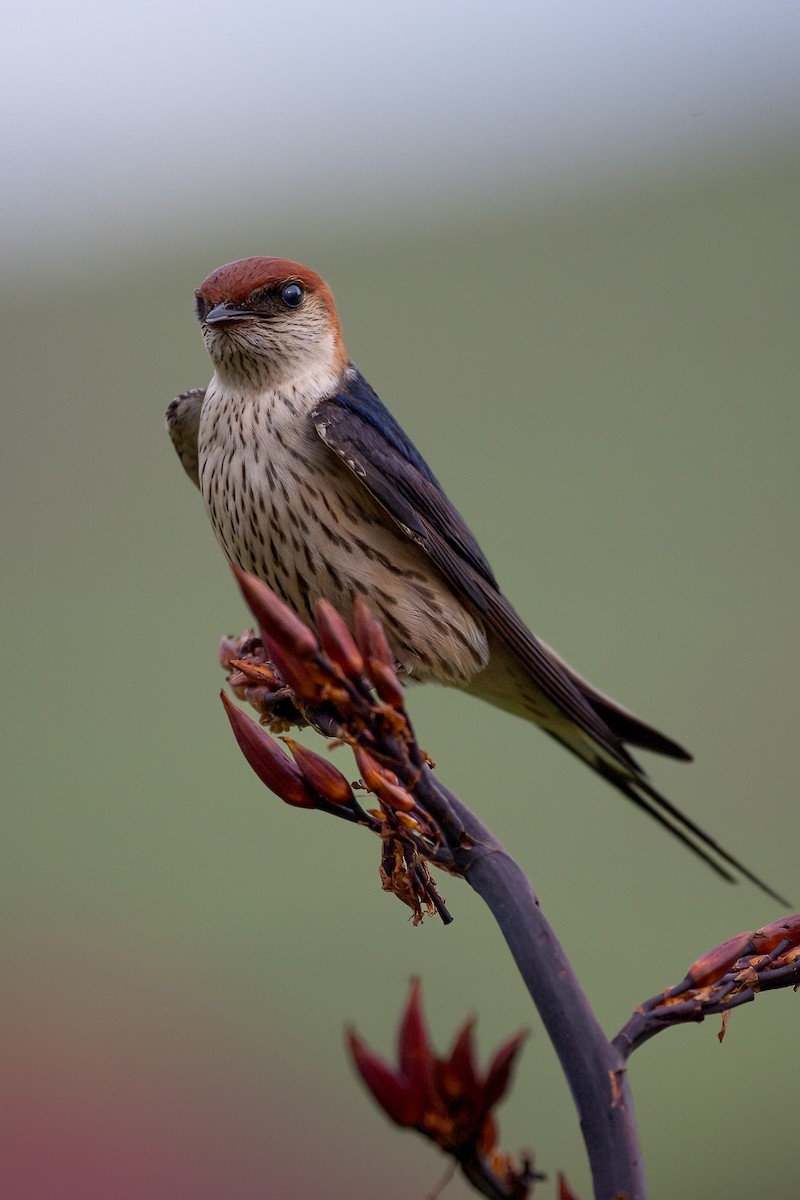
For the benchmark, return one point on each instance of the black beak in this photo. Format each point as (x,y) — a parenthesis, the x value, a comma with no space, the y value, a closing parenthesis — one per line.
(226,312)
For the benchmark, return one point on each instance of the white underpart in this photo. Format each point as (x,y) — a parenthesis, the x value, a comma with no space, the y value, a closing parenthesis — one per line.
(276,493)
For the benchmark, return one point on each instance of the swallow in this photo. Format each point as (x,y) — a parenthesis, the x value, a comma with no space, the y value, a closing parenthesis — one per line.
(312,485)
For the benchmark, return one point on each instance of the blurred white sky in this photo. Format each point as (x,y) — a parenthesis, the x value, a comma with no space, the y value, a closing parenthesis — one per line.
(181,115)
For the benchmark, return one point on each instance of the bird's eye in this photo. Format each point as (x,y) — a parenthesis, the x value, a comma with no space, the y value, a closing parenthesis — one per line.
(292,295)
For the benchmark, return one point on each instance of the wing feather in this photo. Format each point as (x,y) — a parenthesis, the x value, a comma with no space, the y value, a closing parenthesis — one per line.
(354,424)
(183,422)
(357,427)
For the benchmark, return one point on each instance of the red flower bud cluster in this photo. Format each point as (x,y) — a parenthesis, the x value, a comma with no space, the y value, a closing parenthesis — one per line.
(343,684)
(720,980)
(448,1099)
(769,948)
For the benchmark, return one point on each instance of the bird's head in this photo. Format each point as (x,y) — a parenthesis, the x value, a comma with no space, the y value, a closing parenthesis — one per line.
(268,322)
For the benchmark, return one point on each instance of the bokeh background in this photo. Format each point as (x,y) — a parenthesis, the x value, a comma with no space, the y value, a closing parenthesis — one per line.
(565,242)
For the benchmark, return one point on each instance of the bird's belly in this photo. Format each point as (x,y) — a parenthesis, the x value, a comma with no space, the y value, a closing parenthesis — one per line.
(308,528)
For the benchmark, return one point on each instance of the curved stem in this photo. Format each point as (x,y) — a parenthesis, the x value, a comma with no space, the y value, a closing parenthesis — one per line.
(594,1068)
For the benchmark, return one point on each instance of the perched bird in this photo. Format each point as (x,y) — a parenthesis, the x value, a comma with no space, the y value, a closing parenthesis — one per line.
(312,486)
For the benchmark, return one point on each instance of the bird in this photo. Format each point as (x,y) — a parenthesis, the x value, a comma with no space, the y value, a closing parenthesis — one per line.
(312,486)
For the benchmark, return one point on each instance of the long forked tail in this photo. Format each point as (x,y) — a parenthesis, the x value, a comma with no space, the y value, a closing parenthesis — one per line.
(641,793)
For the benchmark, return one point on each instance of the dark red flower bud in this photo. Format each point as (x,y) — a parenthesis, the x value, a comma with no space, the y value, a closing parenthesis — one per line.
(276,620)
(458,1073)
(362,627)
(322,776)
(499,1072)
(565,1192)
(301,675)
(770,936)
(417,1060)
(719,960)
(404,818)
(383,782)
(387,685)
(337,640)
(381,650)
(369,635)
(271,765)
(395,1095)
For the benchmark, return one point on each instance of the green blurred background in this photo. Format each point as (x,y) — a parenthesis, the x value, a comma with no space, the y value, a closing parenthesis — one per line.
(601,365)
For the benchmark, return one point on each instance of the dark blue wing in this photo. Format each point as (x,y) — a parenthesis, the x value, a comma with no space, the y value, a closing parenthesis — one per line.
(358,426)
(363,433)
(361,430)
